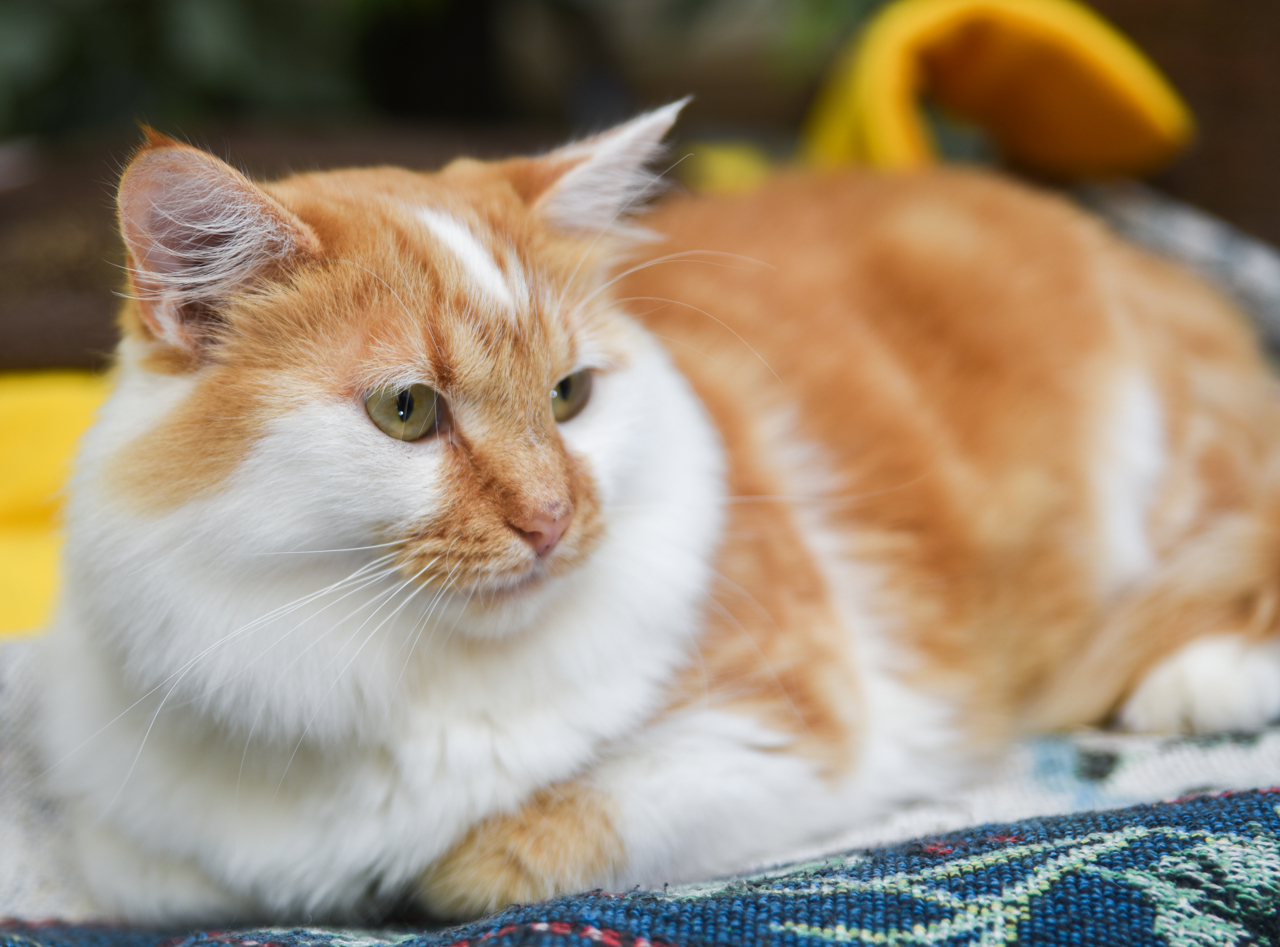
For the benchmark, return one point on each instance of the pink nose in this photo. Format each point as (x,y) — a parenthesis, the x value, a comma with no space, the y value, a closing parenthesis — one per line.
(543,531)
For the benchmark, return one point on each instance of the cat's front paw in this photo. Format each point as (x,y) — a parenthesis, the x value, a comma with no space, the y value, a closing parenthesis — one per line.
(561,840)
(1216,683)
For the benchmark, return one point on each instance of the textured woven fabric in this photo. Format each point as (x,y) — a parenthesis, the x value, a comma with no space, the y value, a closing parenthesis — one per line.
(1203,871)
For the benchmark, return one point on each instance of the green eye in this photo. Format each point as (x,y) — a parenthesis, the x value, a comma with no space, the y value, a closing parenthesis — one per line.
(570,395)
(404,413)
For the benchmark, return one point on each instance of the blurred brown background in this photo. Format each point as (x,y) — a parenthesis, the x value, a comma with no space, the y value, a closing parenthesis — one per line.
(281,85)
(1225,60)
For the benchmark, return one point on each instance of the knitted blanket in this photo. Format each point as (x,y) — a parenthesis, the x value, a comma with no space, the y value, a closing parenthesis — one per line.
(1204,871)
(1111,875)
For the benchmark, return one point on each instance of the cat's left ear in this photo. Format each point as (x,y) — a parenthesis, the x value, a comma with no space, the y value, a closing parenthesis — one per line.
(593,184)
(198,232)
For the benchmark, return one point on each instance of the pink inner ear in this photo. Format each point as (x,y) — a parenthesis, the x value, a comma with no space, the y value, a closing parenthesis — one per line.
(198,231)
(154,236)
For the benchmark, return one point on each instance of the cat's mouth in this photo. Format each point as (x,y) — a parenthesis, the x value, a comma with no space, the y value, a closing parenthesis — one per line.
(513,584)
(488,575)
(485,582)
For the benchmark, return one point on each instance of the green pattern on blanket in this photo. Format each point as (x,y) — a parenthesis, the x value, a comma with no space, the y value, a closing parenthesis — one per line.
(1178,888)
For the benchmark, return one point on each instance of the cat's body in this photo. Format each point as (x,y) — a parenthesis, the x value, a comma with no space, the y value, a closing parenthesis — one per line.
(876,474)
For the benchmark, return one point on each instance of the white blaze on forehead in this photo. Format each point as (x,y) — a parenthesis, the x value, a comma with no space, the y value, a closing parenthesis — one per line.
(477,262)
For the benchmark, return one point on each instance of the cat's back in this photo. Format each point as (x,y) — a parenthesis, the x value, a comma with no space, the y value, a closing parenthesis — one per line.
(986,391)
(942,321)
(949,271)
(974,317)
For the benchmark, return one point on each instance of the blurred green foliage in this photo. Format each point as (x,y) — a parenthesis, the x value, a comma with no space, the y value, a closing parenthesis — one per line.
(72,65)
(67,63)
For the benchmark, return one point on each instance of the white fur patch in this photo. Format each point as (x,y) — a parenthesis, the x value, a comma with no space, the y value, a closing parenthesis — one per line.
(1131,458)
(686,787)
(910,746)
(697,795)
(477,262)
(1213,684)
(333,741)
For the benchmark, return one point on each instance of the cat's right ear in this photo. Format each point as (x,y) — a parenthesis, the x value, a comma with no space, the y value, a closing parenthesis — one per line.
(198,231)
(591,186)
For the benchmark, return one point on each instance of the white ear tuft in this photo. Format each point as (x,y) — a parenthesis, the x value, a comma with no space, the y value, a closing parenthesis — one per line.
(608,175)
(198,231)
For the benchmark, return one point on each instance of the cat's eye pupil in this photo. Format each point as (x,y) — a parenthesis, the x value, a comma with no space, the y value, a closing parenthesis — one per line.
(570,395)
(407,414)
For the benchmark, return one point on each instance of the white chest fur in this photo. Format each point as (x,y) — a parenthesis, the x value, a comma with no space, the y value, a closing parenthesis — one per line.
(207,707)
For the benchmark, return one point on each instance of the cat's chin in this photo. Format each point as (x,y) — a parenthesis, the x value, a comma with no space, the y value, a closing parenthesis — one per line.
(515,590)
(500,611)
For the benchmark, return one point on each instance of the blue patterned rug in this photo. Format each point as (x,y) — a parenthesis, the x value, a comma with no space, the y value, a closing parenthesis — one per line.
(1198,872)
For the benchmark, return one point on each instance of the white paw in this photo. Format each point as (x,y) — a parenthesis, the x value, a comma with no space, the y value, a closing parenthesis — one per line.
(1215,683)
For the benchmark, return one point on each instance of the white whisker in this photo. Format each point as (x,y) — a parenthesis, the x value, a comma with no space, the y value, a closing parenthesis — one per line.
(180,671)
(685,256)
(313,552)
(306,729)
(721,322)
(625,208)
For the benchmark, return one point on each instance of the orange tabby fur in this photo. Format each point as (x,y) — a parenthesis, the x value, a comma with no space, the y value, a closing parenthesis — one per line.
(560,840)
(912,378)
(946,337)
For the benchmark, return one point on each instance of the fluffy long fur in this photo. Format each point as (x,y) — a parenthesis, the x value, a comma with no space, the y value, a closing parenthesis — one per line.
(876,474)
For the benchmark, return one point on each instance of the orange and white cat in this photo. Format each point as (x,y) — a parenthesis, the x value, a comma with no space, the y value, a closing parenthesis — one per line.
(446,537)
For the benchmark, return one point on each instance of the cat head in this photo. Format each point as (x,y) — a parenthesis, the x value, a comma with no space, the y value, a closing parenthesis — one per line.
(425,364)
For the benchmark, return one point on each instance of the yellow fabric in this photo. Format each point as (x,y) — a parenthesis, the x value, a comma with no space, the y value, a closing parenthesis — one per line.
(725,167)
(42,416)
(1059,90)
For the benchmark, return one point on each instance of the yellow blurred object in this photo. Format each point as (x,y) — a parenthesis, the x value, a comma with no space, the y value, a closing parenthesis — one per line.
(725,167)
(42,416)
(1059,91)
